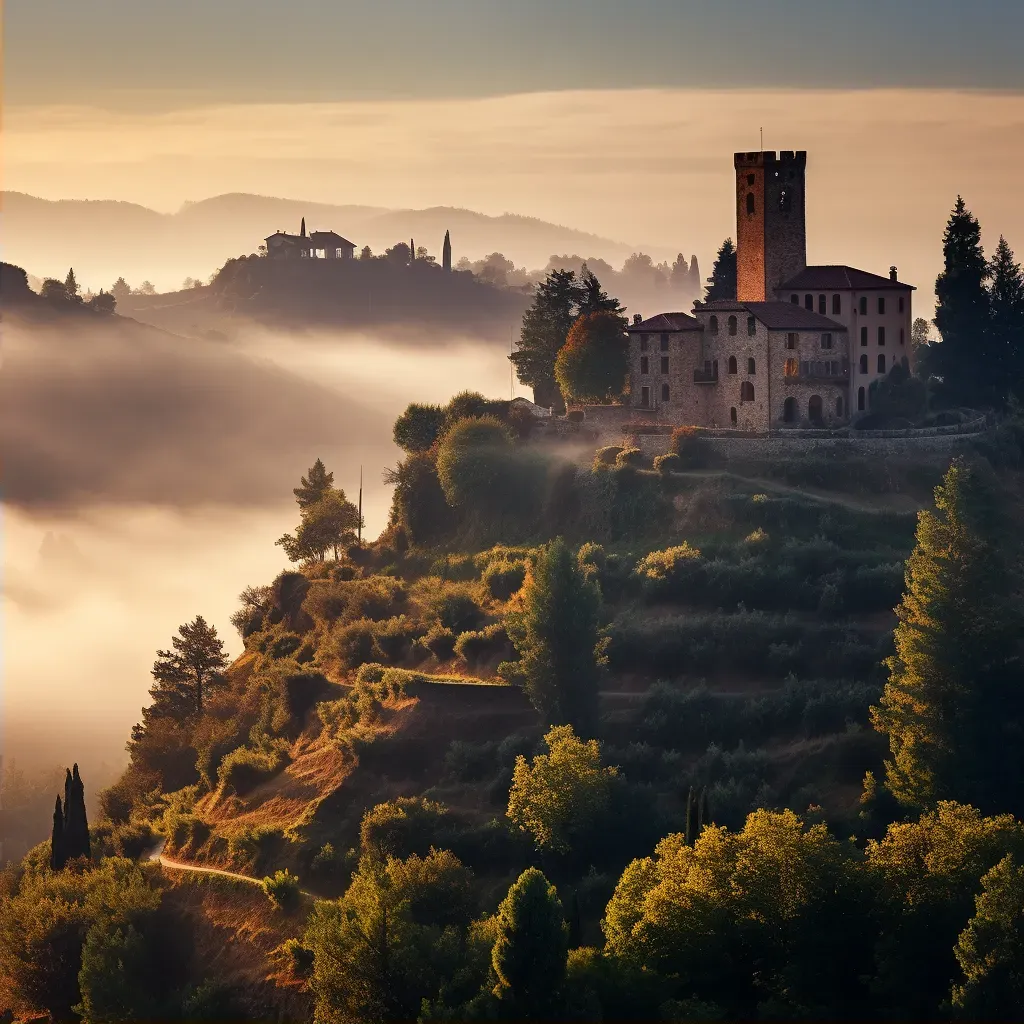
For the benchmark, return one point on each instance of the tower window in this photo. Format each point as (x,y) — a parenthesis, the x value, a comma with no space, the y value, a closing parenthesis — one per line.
(795,299)
(732,325)
(713,325)
(837,304)
(751,367)
(822,307)
(750,203)
(751,325)
(746,391)
(645,366)
(864,335)
(750,179)
(809,302)
(732,364)
(664,364)
(644,339)
(881,335)
(881,303)
(791,340)
(864,304)
(664,342)
(881,363)
(863,364)
(664,392)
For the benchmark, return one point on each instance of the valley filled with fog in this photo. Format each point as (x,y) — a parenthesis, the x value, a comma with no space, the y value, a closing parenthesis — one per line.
(147,481)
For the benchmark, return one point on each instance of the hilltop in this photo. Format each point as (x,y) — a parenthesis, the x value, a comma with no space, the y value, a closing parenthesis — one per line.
(107,239)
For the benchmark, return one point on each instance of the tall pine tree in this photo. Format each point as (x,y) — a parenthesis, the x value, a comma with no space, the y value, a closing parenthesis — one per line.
(961,313)
(186,675)
(314,486)
(722,282)
(1006,318)
(953,707)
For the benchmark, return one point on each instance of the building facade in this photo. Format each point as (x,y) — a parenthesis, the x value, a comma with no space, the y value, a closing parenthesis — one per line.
(799,346)
(316,245)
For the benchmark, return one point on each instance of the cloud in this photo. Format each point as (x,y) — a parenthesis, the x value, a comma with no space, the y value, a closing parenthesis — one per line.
(124,414)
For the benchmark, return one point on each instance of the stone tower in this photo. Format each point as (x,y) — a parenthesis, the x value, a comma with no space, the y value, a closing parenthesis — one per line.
(771,237)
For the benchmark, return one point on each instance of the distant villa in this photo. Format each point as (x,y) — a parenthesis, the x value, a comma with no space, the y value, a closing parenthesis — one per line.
(316,245)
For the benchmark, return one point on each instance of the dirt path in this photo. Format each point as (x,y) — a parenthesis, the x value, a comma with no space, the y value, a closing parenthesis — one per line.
(169,864)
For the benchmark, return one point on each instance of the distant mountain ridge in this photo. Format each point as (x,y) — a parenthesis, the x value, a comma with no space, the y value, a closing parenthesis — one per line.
(107,239)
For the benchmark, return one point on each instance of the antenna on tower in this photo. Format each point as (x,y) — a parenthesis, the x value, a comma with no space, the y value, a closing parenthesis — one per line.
(359,524)
(762,140)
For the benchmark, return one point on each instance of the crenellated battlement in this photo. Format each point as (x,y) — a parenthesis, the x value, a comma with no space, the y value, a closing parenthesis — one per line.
(786,157)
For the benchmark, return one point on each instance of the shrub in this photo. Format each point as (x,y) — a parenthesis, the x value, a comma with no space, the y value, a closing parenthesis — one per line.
(245,768)
(297,959)
(668,564)
(455,607)
(606,456)
(504,578)
(285,645)
(669,463)
(404,827)
(353,644)
(474,464)
(393,639)
(439,641)
(282,889)
(690,444)
(629,457)
(419,427)
(574,415)
(489,644)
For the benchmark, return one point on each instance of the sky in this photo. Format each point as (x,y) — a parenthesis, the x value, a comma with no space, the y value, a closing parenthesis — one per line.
(173,52)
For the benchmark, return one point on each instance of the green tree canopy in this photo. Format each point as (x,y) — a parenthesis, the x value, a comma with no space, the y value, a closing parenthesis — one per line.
(593,364)
(418,427)
(990,949)
(120,289)
(314,486)
(1006,319)
(556,632)
(474,462)
(722,282)
(561,796)
(961,310)
(328,523)
(592,298)
(530,951)
(186,674)
(952,707)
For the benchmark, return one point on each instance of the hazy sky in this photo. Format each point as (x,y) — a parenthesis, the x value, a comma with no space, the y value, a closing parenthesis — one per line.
(163,52)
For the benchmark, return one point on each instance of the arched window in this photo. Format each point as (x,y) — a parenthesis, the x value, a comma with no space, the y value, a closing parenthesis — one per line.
(746,391)
(860,399)
(732,415)
(881,363)
(795,299)
(751,325)
(822,307)
(809,302)
(814,409)
(732,364)
(750,203)
(837,304)
(664,392)
(864,364)
(881,335)
(713,325)
(732,325)
(839,406)
(751,367)
(789,411)
(792,368)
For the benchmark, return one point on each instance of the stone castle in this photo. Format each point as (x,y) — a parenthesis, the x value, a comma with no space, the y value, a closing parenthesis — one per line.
(799,345)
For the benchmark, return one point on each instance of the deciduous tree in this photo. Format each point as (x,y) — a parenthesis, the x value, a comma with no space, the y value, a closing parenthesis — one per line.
(593,364)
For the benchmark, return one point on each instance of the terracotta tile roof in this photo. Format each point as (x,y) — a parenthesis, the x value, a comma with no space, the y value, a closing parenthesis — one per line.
(667,322)
(329,236)
(837,278)
(787,316)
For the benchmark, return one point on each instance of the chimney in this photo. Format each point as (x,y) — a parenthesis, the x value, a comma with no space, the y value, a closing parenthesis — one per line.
(637,318)
(892,274)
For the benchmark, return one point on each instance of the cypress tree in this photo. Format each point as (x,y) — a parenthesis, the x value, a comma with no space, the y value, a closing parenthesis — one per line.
(703,812)
(1006,317)
(722,282)
(58,857)
(691,818)
(529,954)
(953,707)
(694,277)
(961,312)
(76,825)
